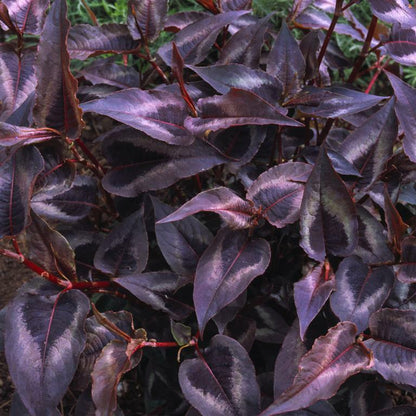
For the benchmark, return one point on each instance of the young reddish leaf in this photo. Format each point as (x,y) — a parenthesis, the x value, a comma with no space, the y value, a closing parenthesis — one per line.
(225,270)
(44,339)
(328,220)
(181,243)
(146,18)
(236,108)
(160,114)
(195,40)
(17,78)
(143,164)
(125,249)
(222,381)
(245,46)
(360,291)
(56,103)
(370,145)
(394,344)
(16,186)
(85,41)
(27,15)
(406,99)
(287,361)
(286,62)
(332,102)
(394,11)
(235,211)
(278,192)
(50,249)
(333,358)
(407,268)
(395,225)
(372,240)
(311,294)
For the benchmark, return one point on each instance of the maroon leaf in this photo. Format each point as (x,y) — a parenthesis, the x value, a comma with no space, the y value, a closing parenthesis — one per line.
(236,108)
(178,21)
(125,249)
(56,103)
(236,212)
(27,15)
(360,291)
(407,268)
(44,339)
(222,382)
(406,99)
(286,62)
(394,344)
(195,40)
(333,358)
(394,11)
(16,186)
(370,145)
(401,45)
(279,191)
(85,40)
(146,18)
(225,270)
(328,220)
(160,114)
(181,243)
(17,78)
(311,294)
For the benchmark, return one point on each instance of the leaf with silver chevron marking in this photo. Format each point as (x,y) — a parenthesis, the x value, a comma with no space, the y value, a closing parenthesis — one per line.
(401,45)
(15,137)
(407,267)
(16,186)
(406,102)
(235,211)
(328,219)
(332,359)
(181,243)
(311,294)
(394,11)
(221,381)
(278,192)
(44,339)
(125,249)
(394,345)
(370,145)
(224,271)
(160,114)
(236,108)
(360,291)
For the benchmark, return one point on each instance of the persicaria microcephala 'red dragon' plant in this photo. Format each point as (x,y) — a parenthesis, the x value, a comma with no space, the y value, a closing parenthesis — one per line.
(232,197)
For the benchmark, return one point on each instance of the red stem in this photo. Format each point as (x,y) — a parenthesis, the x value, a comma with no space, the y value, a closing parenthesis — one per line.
(90,156)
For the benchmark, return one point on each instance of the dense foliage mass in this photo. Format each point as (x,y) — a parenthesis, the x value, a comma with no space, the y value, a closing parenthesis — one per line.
(220,215)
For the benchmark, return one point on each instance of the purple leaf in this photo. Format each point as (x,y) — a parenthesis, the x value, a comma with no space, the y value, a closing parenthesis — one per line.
(333,358)
(27,15)
(370,145)
(195,40)
(146,18)
(243,330)
(17,78)
(222,382)
(298,7)
(125,249)
(311,294)
(56,103)
(394,11)
(160,114)
(328,220)
(369,398)
(407,267)
(236,212)
(395,225)
(181,243)
(225,270)
(227,314)
(44,339)
(271,327)
(406,99)
(14,136)
(286,62)
(236,108)
(16,187)
(178,21)
(394,345)
(279,191)
(230,5)
(360,291)
(401,45)
(396,411)
(85,41)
